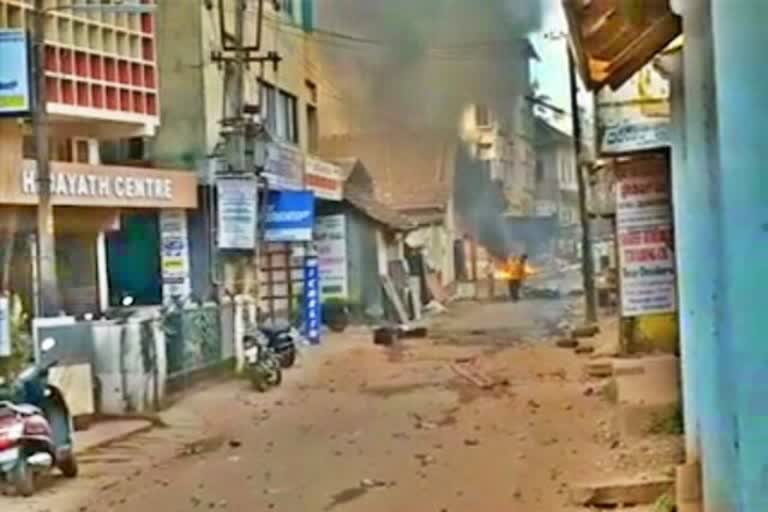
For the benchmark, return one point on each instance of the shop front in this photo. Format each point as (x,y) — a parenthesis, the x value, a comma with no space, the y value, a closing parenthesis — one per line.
(107,225)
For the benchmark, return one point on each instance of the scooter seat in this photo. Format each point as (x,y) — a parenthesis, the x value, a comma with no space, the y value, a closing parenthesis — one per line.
(23,409)
(274,328)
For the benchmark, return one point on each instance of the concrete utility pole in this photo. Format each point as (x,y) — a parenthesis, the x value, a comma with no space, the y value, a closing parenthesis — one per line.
(587,263)
(48,287)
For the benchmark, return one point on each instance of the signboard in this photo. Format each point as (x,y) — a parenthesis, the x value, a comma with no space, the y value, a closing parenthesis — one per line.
(290,216)
(645,236)
(312,308)
(174,254)
(324,179)
(331,244)
(76,184)
(15,83)
(635,117)
(5,327)
(237,213)
(284,167)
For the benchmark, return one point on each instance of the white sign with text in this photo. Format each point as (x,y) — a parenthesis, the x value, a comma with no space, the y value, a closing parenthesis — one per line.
(645,236)
(331,244)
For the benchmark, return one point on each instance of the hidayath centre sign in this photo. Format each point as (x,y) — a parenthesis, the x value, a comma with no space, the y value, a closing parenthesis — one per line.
(15,83)
(290,216)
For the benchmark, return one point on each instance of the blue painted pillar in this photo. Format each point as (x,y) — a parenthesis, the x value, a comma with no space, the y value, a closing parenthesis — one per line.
(741,64)
(707,387)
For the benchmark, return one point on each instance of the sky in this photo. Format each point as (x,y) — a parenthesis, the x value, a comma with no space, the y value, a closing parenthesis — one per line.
(551,70)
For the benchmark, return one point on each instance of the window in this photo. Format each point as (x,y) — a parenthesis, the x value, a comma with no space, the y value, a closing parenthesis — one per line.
(286,6)
(82,151)
(539,171)
(313,129)
(279,109)
(482,115)
(269,107)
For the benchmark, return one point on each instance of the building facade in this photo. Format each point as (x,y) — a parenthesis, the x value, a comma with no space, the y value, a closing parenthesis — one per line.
(102,84)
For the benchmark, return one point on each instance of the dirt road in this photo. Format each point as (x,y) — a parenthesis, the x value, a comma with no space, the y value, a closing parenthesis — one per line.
(477,417)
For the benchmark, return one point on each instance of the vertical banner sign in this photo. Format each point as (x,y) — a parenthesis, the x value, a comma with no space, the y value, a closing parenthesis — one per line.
(15,83)
(5,327)
(644,228)
(312,300)
(237,213)
(331,243)
(174,254)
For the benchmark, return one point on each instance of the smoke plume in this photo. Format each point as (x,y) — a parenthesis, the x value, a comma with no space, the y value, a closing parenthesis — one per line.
(419,62)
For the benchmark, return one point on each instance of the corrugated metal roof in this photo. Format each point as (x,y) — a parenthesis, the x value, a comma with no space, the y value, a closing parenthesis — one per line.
(613,39)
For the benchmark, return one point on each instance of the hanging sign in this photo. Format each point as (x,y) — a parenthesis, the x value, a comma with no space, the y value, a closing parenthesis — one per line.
(645,236)
(284,167)
(290,216)
(636,116)
(15,83)
(312,308)
(237,213)
(331,243)
(174,254)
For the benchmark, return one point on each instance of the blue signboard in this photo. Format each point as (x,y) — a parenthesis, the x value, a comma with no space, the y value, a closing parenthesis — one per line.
(15,83)
(290,216)
(312,300)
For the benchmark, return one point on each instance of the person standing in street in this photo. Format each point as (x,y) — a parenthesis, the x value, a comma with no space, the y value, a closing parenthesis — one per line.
(517,270)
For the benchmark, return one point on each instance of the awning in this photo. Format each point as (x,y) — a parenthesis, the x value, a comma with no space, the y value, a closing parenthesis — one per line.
(613,39)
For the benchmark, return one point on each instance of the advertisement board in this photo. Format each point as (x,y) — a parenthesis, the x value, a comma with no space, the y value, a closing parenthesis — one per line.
(174,254)
(331,245)
(237,213)
(645,237)
(324,179)
(636,116)
(15,83)
(284,167)
(290,216)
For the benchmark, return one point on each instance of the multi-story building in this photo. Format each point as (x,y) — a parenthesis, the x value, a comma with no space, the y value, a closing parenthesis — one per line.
(102,84)
(557,188)
(196,97)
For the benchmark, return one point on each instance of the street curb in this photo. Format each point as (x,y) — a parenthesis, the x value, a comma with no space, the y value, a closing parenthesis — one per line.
(140,429)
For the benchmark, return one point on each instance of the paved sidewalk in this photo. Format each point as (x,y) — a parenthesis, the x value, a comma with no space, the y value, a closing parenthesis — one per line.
(104,433)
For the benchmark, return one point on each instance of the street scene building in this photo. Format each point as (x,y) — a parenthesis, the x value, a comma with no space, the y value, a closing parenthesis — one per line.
(243,241)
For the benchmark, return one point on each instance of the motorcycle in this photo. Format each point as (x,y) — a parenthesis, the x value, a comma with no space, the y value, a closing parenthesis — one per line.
(282,339)
(35,430)
(263,365)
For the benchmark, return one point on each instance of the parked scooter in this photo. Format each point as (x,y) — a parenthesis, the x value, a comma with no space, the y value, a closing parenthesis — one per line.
(35,430)
(263,365)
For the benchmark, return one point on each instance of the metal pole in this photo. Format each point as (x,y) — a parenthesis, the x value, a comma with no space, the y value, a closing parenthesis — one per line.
(587,263)
(46,245)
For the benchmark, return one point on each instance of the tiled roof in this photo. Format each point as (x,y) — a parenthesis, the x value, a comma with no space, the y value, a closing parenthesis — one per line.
(410,169)
(377,211)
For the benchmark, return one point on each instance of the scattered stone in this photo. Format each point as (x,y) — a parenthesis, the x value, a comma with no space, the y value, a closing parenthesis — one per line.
(533,404)
(368,483)
(567,343)
(589,391)
(620,492)
(234,443)
(471,442)
(584,349)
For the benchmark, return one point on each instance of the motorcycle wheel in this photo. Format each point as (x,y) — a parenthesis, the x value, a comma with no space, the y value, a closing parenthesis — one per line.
(68,466)
(23,479)
(276,376)
(259,381)
(288,358)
